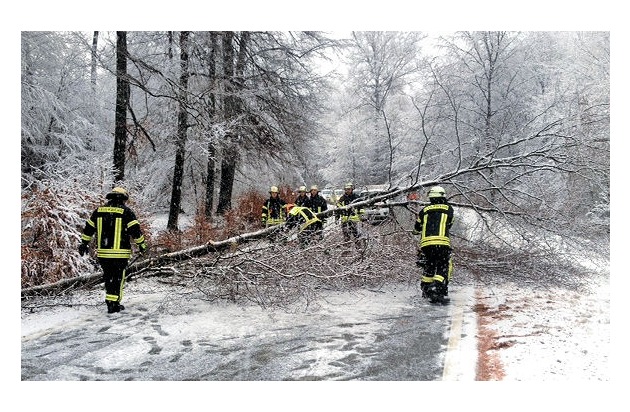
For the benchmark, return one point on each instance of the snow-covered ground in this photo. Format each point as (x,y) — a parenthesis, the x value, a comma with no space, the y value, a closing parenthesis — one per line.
(555,343)
(550,334)
(548,348)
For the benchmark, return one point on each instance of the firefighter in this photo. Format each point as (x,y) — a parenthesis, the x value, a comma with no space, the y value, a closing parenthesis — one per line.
(114,224)
(302,199)
(349,218)
(318,205)
(273,210)
(309,224)
(433,225)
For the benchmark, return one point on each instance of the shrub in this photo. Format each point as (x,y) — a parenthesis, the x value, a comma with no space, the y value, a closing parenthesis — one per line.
(51,230)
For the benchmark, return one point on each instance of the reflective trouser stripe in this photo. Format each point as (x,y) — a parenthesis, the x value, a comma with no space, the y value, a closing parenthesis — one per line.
(117,298)
(113,298)
(122,285)
(430,279)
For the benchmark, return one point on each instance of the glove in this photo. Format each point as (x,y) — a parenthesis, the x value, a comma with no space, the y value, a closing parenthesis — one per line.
(83,248)
(143,247)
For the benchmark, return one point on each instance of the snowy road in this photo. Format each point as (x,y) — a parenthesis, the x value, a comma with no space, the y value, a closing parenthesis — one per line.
(370,335)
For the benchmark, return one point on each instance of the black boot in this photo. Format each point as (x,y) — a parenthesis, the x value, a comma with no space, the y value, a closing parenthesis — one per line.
(117,307)
(441,290)
(432,293)
(110,306)
(424,287)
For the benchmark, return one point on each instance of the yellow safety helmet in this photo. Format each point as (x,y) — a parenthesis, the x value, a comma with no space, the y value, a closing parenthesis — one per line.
(118,192)
(349,186)
(302,189)
(314,187)
(274,189)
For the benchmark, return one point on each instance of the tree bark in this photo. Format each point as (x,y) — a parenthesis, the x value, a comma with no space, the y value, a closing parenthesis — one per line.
(182,126)
(212,75)
(122,102)
(227,163)
(94,50)
(234,78)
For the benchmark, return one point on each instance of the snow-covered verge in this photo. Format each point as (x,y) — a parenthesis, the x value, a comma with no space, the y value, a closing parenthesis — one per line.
(549,334)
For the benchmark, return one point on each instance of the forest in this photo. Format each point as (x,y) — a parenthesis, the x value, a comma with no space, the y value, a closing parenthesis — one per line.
(514,125)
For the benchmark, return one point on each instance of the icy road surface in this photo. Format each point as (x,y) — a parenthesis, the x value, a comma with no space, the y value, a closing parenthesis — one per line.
(367,335)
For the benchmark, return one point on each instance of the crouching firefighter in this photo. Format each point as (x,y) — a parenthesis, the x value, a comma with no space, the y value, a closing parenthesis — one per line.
(433,225)
(309,224)
(113,224)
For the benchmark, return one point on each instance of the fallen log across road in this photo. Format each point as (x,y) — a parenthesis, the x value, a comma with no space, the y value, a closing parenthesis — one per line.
(196,251)
(201,250)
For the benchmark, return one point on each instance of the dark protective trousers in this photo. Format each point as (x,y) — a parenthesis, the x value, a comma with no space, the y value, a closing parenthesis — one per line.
(114,277)
(437,261)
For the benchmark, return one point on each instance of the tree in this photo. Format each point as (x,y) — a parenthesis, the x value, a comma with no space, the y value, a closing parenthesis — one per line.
(505,140)
(212,81)
(270,101)
(233,83)
(382,65)
(182,127)
(122,103)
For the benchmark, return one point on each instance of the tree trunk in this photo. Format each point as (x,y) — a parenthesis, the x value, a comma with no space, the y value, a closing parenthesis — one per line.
(227,164)
(228,170)
(122,102)
(94,50)
(234,80)
(212,75)
(182,120)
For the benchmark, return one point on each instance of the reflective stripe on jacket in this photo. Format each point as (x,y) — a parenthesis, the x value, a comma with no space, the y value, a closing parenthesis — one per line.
(434,223)
(351,214)
(318,204)
(114,226)
(273,211)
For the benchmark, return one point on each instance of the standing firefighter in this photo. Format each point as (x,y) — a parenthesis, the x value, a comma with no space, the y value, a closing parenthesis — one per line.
(318,205)
(350,217)
(302,199)
(114,225)
(433,225)
(273,210)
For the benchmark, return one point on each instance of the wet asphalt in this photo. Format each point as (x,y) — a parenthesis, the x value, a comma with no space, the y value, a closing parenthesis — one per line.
(147,343)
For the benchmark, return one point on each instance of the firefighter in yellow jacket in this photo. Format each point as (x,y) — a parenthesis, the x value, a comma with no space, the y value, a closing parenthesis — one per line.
(114,224)
(433,225)
(309,223)
(350,217)
(273,210)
